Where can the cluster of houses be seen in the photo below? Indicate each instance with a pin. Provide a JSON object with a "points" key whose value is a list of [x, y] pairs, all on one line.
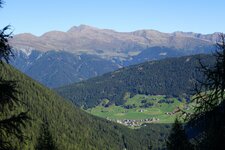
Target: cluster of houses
{"points": [[136, 123], [177, 109]]}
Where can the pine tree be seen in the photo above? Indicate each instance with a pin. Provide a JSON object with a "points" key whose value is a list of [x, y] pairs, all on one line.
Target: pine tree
{"points": [[177, 139], [211, 91], [45, 140], [10, 123], [209, 111]]}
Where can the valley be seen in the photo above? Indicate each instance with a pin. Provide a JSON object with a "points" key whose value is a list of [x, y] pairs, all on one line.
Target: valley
{"points": [[71, 127], [133, 100]]}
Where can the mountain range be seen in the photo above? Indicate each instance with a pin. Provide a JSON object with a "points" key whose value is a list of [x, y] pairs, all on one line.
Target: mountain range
{"points": [[84, 52], [110, 43]]}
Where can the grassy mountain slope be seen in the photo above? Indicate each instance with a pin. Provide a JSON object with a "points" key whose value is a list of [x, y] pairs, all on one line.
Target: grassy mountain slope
{"points": [[172, 76], [71, 127]]}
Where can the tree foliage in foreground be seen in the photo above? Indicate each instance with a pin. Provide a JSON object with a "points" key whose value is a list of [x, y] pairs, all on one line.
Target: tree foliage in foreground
{"points": [[209, 111], [11, 123], [211, 91]]}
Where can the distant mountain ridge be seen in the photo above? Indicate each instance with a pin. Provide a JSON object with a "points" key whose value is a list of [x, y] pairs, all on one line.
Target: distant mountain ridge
{"points": [[109, 43]]}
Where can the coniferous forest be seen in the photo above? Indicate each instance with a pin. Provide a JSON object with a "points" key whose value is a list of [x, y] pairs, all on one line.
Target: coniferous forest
{"points": [[173, 77]]}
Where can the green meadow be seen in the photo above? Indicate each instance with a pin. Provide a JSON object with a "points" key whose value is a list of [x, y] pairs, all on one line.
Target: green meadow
{"points": [[141, 107]]}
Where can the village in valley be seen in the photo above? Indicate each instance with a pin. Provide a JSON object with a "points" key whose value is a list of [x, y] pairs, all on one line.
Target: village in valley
{"points": [[137, 123], [140, 110], [142, 122]]}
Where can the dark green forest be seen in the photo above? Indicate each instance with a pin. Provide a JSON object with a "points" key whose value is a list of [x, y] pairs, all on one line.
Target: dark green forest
{"points": [[72, 128], [172, 77]]}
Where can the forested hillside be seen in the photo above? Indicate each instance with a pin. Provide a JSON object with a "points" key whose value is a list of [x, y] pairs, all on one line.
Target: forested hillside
{"points": [[59, 68], [71, 127], [171, 77]]}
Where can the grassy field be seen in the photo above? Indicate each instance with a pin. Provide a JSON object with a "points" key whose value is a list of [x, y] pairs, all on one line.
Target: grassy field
{"points": [[137, 108]]}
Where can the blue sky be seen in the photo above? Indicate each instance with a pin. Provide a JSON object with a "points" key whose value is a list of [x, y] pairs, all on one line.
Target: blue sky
{"points": [[39, 16]]}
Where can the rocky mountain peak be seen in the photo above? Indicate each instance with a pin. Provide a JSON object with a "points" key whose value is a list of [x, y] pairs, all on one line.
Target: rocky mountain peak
{"points": [[81, 27]]}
